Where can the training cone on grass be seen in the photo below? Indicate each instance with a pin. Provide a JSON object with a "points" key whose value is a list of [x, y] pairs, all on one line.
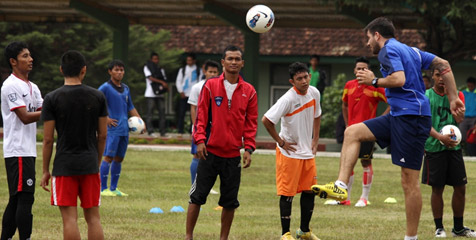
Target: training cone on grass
{"points": [[177, 209], [390, 200], [156, 210]]}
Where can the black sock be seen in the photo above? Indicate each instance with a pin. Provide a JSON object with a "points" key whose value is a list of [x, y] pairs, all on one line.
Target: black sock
{"points": [[285, 205], [24, 218], [9, 225], [307, 206], [458, 224], [438, 222]]}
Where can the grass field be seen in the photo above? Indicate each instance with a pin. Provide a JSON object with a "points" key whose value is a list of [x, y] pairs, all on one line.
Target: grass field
{"points": [[162, 179]]}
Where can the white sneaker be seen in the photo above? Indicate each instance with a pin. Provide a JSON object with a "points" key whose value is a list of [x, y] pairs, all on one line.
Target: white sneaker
{"points": [[213, 191], [466, 232], [440, 233], [331, 202], [361, 203]]}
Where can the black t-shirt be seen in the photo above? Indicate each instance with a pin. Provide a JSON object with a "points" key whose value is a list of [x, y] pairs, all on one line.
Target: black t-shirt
{"points": [[76, 110]]}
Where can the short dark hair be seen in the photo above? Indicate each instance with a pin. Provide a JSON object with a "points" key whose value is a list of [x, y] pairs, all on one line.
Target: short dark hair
{"points": [[471, 80], [381, 25], [13, 49], [231, 48], [210, 63], [316, 57], [192, 55], [296, 68], [72, 62], [362, 60], [115, 62], [154, 54]]}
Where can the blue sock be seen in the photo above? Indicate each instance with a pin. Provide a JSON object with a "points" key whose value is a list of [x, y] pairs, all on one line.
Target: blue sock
{"points": [[115, 174], [193, 168], [104, 171]]}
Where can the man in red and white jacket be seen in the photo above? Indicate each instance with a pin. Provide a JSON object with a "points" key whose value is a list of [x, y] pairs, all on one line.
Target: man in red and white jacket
{"points": [[226, 121]]}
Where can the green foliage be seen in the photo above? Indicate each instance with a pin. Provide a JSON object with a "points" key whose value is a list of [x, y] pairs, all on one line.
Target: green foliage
{"points": [[448, 24], [332, 106], [48, 42]]}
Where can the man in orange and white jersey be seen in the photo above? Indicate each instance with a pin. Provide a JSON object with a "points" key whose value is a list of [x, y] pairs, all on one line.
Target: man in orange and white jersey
{"points": [[299, 110]]}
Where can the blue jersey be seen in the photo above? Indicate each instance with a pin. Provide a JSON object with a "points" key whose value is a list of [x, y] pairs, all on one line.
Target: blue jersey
{"points": [[470, 102], [118, 105], [409, 99]]}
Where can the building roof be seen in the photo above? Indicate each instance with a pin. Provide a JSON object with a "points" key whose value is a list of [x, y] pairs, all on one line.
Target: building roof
{"points": [[281, 41]]}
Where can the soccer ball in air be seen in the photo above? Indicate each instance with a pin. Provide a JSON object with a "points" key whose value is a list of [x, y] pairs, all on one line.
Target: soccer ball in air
{"points": [[136, 125], [260, 18], [453, 131]]}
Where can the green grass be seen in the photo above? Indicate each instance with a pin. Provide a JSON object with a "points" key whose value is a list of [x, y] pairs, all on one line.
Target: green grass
{"points": [[162, 179]]}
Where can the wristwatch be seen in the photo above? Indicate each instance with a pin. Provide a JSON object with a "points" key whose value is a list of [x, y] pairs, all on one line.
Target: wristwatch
{"points": [[249, 150], [375, 82]]}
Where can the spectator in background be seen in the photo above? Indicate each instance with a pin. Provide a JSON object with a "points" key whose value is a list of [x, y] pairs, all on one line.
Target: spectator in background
{"points": [[187, 76], [156, 86], [470, 114], [427, 81], [318, 77]]}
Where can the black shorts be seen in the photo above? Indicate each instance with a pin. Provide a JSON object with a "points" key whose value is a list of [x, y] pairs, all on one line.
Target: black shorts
{"points": [[444, 168], [229, 170], [20, 174], [366, 150]]}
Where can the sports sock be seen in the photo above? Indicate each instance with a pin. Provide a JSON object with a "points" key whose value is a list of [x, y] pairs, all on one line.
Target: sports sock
{"points": [[367, 181], [193, 168], [349, 185], [411, 237], [105, 166], [458, 223], [9, 224], [438, 222], [24, 218], [341, 184], [115, 174], [285, 205], [307, 207]]}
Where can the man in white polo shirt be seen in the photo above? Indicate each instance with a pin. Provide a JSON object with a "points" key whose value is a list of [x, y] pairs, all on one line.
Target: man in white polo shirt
{"points": [[21, 102]]}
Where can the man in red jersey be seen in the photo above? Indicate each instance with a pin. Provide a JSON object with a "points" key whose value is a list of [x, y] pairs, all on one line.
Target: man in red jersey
{"points": [[232, 105], [359, 103]]}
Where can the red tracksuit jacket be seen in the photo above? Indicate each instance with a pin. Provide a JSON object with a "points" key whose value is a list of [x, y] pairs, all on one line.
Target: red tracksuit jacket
{"points": [[226, 126]]}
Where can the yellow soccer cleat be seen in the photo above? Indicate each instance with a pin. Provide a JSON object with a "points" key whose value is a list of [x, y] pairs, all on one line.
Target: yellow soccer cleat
{"points": [[331, 191], [107, 193], [306, 235], [287, 236]]}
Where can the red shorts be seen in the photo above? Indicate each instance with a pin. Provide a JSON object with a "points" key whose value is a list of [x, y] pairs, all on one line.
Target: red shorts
{"points": [[66, 189], [294, 175]]}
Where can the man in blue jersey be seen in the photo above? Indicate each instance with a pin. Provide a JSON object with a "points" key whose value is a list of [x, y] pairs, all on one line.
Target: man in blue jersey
{"points": [[119, 106], [407, 126]]}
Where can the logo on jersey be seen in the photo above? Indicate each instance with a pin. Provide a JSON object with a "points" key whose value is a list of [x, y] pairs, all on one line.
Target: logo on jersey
{"points": [[12, 97], [24, 95], [218, 100], [29, 182], [297, 105]]}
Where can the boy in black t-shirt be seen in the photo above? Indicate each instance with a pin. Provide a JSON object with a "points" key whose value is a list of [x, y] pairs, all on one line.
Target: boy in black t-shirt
{"points": [[78, 112]]}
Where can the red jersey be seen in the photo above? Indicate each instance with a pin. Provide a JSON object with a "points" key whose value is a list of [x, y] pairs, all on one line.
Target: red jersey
{"points": [[225, 126], [362, 101]]}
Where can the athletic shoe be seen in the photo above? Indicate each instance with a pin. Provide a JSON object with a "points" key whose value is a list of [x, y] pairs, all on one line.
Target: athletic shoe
{"points": [[306, 235], [440, 233], [361, 203], [119, 193], [330, 190], [107, 193], [465, 232], [213, 192], [331, 202], [287, 236], [345, 203]]}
